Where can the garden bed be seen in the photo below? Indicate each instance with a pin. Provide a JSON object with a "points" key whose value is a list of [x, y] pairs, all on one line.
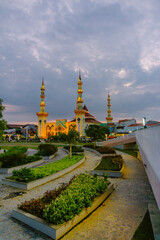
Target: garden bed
{"points": [[75, 149], [73, 204], [28, 165], [101, 150], [110, 166], [47, 151], [16, 158], [60, 167]]}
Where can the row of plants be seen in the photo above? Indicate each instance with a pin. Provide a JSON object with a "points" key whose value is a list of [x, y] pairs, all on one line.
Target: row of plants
{"points": [[28, 174], [102, 150], [36, 206], [113, 163], [74, 148], [15, 156], [62, 205], [46, 149]]}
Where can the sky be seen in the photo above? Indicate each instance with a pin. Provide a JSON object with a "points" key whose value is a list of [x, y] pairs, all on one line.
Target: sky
{"points": [[114, 43]]}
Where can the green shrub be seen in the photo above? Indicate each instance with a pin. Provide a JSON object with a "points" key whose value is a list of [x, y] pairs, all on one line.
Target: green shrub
{"points": [[47, 149], [78, 195], [74, 148], [101, 150], [37, 205], [17, 148], [16, 158], [113, 163], [46, 170]]}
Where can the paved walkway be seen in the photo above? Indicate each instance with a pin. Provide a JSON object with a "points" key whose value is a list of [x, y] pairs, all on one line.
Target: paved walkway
{"points": [[116, 219]]}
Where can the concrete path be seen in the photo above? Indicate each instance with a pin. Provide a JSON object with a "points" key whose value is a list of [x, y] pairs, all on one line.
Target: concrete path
{"points": [[31, 151], [116, 219], [122, 212]]}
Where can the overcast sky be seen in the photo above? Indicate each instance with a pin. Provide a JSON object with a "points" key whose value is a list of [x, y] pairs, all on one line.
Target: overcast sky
{"points": [[114, 43]]}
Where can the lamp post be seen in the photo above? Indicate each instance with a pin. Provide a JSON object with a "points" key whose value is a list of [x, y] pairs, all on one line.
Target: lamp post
{"points": [[144, 122]]}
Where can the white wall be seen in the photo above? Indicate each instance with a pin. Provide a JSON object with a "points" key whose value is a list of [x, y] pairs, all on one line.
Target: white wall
{"points": [[148, 141]]}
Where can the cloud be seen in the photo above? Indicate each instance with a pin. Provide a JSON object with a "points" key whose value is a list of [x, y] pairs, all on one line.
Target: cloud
{"points": [[115, 44]]}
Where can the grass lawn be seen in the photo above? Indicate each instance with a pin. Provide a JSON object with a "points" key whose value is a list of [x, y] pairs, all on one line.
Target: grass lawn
{"points": [[144, 231], [128, 151]]}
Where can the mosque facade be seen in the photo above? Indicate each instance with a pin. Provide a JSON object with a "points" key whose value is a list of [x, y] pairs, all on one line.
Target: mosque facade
{"points": [[80, 122]]}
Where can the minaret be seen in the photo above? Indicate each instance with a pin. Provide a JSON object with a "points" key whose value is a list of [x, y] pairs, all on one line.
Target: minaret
{"points": [[79, 111], [42, 115], [109, 118]]}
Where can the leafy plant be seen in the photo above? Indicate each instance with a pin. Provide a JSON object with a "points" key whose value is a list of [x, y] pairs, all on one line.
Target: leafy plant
{"points": [[15, 156], [113, 163], [101, 150], [78, 195], [36, 206], [96, 132], [47, 149], [43, 171], [74, 148]]}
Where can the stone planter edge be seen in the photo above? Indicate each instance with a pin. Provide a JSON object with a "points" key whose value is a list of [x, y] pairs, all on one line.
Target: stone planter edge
{"points": [[41, 181], [116, 174], [99, 154], [28, 165], [57, 231], [49, 157]]}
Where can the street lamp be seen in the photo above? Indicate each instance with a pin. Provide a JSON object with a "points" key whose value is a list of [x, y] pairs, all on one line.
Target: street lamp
{"points": [[144, 122]]}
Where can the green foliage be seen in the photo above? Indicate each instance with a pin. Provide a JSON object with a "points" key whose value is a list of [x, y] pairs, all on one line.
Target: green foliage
{"points": [[73, 135], [17, 148], [43, 171], [15, 157], [96, 132], [113, 163], [3, 123], [47, 149], [144, 231], [78, 195], [36, 206], [128, 151], [102, 150], [74, 148]]}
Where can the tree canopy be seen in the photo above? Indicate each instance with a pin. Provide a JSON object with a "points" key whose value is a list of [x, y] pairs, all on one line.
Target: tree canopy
{"points": [[96, 132], [73, 135], [3, 123]]}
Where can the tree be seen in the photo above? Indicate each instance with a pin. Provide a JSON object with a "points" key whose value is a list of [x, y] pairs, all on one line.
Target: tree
{"points": [[72, 137], [3, 123], [96, 132]]}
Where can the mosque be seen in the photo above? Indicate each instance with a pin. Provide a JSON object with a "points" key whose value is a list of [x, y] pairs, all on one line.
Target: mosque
{"points": [[81, 121]]}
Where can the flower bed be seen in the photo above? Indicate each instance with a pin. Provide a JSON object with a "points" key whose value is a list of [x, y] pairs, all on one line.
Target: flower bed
{"points": [[27, 174], [74, 148], [84, 194], [16, 156], [112, 166], [101, 150], [46, 149], [113, 163], [27, 186]]}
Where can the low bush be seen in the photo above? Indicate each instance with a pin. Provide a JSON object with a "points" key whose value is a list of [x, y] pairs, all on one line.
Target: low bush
{"points": [[74, 148], [15, 156], [29, 175], [36, 205], [59, 206], [102, 150], [113, 163], [16, 159], [78, 195], [17, 148], [47, 149]]}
